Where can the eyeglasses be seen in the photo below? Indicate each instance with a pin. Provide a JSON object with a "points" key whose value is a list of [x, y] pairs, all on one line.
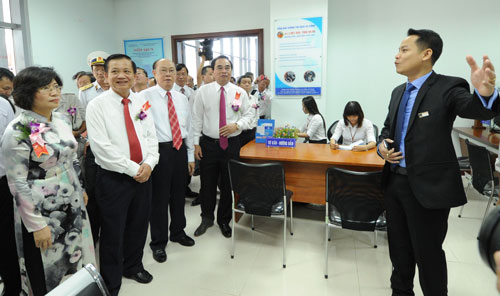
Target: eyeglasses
{"points": [[49, 89]]}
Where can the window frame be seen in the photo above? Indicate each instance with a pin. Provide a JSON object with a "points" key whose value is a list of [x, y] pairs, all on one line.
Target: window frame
{"points": [[19, 27], [175, 39]]}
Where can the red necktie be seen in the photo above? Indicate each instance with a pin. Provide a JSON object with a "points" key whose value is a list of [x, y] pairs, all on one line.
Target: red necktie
{"points": [[174, 123], [222, 118], [133, 141], [183, 90]]}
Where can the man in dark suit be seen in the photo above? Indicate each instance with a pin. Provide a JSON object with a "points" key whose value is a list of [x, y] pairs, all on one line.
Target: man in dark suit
{"points": [[421, 174]]}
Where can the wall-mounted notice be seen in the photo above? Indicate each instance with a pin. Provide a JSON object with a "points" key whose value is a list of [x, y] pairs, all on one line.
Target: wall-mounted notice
{"points": [[298, 56], [144, 52]]}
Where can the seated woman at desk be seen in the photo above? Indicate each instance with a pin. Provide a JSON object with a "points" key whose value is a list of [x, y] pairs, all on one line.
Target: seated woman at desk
{"points": [[314, 130], [353, 128]]}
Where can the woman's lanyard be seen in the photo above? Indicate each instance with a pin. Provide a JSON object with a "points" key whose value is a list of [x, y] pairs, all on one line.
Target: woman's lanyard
{"points": [[352, 136]]}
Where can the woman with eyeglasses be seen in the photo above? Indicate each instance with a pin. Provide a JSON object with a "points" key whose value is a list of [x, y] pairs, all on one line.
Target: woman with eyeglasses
{"points": [[51, 223], [354, 127], [314, 130]]}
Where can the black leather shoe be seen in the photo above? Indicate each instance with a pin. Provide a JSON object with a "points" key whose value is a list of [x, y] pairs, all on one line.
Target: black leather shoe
{"points": [[196, 202], [225, 230], [142, 276], [160, 255], [186, 241], [191, 194], [203, 227]]}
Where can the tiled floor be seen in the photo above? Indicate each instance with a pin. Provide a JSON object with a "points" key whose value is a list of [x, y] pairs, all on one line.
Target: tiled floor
{"points": [[355, 267]]}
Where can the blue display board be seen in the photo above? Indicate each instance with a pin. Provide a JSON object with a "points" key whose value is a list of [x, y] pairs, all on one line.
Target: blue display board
{"points": [[265, 129], [144, 52]]}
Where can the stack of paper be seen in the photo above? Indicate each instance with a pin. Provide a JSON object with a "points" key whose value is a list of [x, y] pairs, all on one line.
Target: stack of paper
{"points": [[349, 147]]}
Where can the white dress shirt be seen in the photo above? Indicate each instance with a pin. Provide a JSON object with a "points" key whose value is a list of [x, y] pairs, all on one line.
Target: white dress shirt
{"points": [[18, 109], [6, 116], [314, 127], [264, 98], [157, 96], [87, 95], [352, 134], [188, 92], [254, 104], [206, 110], [108, 135]]}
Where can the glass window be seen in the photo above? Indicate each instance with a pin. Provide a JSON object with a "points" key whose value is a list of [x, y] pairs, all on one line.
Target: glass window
{"points": [[191, 62], [243, 52], [14, 50], [6, 50]]}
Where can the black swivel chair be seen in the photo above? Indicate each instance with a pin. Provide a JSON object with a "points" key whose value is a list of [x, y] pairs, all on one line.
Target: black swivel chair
{"points": [[375, 131], [331, 130], [354, 200], [86, 282], [262, 192], [483, 179]]}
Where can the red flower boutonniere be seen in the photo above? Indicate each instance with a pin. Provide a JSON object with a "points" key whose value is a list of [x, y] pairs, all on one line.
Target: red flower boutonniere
{"points": [[236, 103], [142, 115], [38, 143]]}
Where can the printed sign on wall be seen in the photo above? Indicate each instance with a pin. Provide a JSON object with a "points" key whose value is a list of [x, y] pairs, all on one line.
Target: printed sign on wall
{"points": [[298, 56], [144, 52]]}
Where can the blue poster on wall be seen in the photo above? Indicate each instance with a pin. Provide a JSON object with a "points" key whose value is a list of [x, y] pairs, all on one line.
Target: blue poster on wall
{"points": [[144, 52], [298, 56]]}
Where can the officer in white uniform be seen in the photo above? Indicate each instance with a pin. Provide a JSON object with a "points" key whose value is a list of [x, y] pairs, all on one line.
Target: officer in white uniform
{"points": [[87, 93]]}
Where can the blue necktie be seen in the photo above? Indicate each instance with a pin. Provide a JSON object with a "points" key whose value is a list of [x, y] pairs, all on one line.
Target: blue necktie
{"points": [[401, 116]]}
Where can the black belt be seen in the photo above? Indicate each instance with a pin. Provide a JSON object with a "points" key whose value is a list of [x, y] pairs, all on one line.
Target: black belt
{"points": [[207, 138], [168, 144], [399, 170]]}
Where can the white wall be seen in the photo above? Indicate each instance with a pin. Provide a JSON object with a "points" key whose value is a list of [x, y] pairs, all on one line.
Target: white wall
{"points": [[288, 109], [364, 37], [157, 18], [63, 33]]}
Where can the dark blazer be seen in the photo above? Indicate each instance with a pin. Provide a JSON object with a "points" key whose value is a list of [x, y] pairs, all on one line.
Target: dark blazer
{"points": [[431, 162]]}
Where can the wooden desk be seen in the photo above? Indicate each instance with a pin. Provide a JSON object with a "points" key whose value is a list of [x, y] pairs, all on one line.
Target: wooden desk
{"points": [[305, 165], [481, 137]]}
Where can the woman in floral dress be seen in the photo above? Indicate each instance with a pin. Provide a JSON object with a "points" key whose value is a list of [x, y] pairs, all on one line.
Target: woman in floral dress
{"points": [[51, 223]]}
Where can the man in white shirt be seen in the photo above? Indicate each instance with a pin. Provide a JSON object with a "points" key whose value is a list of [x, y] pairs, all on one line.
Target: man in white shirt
{"points": [[141, 80], [86, 94], [123, 138], [220, 112], [172, 116], [264, 95], [6, 87], [100, 85], [9, 267], [180, 85], [181, 78], [248, 135], [205, 73]]}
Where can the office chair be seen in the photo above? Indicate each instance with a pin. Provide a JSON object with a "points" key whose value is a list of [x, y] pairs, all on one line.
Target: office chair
{"points": [[354, 200], [262, 192], [483, 179]]}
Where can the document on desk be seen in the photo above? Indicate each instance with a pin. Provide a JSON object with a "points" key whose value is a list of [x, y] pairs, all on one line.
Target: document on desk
{"points": [[349, 147]]}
